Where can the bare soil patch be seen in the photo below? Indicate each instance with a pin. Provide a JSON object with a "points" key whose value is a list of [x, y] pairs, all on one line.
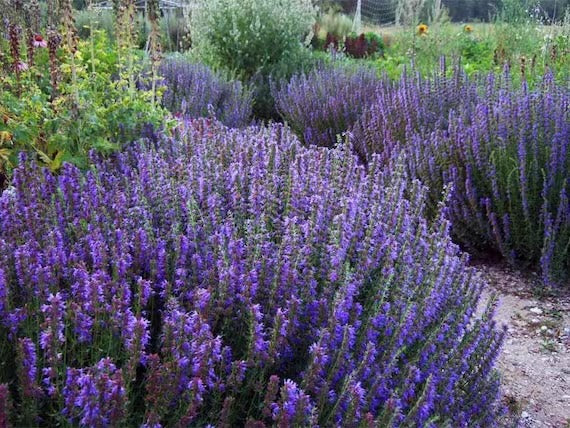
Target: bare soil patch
{"points": [[535, 360]]}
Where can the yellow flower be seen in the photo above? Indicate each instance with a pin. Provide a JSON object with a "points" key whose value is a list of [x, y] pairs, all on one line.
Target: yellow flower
{"points": [[468, 28], [422, 29], [5, 136]]}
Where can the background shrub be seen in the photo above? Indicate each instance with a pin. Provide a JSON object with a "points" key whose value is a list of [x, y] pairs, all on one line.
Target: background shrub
{"points": [[63, 106], [325, 102], [529, 49], [247, 36], [333, 22], [87, 21], [175, 32], [363, 46], [232, 277], [193, 91]]}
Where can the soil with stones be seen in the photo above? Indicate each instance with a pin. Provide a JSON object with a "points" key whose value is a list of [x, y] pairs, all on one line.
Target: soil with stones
{"points": [[535, 360]]}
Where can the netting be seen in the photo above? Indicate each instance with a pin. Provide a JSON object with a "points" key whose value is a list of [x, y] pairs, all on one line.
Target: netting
{"points": [[411, 12], [379, 12]]}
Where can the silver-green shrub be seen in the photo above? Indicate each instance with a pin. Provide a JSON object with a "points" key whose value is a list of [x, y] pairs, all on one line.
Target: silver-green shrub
{"points": [[249, 36]]}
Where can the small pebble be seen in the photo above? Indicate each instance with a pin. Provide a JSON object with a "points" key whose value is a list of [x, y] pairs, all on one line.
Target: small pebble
{"points": [[525, 415], [536, 311]]}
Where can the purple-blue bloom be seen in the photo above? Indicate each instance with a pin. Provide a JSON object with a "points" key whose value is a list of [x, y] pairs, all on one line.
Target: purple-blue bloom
{"points": [[231, 275], [194, 91]]}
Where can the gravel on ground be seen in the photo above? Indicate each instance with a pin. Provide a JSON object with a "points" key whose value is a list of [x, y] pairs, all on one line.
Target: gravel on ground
{"points": [[535, 360]]}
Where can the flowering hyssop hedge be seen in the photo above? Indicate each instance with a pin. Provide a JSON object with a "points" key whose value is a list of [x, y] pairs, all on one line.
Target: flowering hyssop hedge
{"points": [[505, 151], [325, 102], [232, 277], [193, 91]]}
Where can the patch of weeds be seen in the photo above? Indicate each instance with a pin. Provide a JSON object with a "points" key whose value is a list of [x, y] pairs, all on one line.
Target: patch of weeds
{"points": [[555, 313], [548, 345]]}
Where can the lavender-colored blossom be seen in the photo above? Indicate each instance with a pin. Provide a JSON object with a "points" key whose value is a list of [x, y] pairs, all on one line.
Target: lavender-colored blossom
{"points": [[193, 91], [3, 293], [323, 104], [228, 275], [27, 369], [294, 407], [21, 66], [95, 396]]}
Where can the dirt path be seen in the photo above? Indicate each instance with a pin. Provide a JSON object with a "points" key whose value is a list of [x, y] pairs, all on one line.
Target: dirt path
{"points": [[535, 361]]}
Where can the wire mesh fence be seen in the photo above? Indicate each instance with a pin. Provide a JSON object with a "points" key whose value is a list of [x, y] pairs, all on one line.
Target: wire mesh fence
{"points": [[396, 12]]}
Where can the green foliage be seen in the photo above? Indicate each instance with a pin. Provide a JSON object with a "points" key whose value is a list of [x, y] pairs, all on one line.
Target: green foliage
{"points": [[175, 33], [515, 11], [96, 110], [335, 23], [371, 36], [528, 49], [250, 36], [173, 28], [88, 20]]}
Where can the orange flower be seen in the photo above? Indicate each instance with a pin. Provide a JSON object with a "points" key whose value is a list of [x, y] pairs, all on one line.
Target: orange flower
{"points": [[468, 28], [422, 29]]}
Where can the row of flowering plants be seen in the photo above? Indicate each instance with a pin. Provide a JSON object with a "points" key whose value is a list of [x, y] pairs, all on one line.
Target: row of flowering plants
{"points": [[408, 105], [329, 101], [504, 149], [509, 164], [325, 102], [231, 278], [193, 91]]}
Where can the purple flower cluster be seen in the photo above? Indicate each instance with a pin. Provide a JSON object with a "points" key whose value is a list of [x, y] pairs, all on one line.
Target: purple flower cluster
{"points": [[194, 91], [95, 396], [226, 277], [408, 105], [28, 367], [326, 102], [504, 150]]}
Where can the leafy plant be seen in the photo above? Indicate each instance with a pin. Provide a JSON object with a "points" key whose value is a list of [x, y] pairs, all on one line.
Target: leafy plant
{"points": [[530, 50], [364, 46], [250, 36], [72, 100], [333, 22]]}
